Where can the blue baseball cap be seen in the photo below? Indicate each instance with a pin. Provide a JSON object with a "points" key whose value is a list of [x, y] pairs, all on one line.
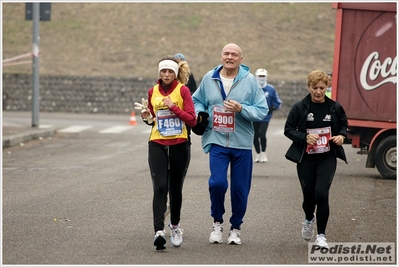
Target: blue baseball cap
{"points": [[180, 56]]}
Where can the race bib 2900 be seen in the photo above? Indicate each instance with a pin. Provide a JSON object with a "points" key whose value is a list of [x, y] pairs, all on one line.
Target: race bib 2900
{"points": [[223, 121]]}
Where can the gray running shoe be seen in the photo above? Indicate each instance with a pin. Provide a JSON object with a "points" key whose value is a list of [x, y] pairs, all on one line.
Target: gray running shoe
{"points": [[307, 229]]}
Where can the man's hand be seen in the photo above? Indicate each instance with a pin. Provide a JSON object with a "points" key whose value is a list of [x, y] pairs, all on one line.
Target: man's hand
{"points": [[232, 106]]}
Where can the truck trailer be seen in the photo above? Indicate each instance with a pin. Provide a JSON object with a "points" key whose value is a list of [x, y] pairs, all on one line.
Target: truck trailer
{"points": [[365, 79]]}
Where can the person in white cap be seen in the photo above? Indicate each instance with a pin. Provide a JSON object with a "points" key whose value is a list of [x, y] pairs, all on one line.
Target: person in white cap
{"points": [[260, 127], [170, 110]]}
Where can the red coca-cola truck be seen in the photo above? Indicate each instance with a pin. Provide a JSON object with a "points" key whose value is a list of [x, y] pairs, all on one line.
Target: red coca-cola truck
{"points": [[365, 79]]}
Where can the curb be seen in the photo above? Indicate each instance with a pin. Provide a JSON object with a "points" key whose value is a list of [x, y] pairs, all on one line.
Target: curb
{"points": [[16, 139]]}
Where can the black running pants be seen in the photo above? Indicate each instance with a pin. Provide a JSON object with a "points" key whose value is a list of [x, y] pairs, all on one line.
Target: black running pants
{"points": [[168, 167], [316, 177]]}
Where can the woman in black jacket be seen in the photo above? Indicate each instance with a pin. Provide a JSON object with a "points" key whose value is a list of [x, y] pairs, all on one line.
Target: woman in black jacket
{"points": [[317, 127]]}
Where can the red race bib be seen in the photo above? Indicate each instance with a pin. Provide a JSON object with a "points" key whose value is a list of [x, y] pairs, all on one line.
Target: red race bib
{"points": [[322, 145], [223, 121]]}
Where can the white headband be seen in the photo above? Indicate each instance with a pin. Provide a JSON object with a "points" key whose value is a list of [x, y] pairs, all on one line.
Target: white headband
{"points": [[168, 64]]}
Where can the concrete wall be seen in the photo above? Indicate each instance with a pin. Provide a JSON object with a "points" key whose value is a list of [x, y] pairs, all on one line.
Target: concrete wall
{"points": [[104, 95]]}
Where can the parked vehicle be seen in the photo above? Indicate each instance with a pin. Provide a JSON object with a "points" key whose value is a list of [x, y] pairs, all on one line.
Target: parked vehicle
{"points": [[365, 79]]}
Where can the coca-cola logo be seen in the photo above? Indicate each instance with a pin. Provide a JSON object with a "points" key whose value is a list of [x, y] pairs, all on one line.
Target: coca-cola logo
{"points": [[376, 59], [373, 68]]}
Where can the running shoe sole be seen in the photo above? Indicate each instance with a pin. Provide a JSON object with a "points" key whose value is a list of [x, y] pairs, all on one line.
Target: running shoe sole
{"points": [[159, 243]]}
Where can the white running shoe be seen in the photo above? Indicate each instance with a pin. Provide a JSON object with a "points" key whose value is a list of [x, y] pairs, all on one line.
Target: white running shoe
{"points": [[217, 233], [307, 229], [257, 158], [159, 240], [176, 235], [321, 241], [263, 157], [234, 237]]}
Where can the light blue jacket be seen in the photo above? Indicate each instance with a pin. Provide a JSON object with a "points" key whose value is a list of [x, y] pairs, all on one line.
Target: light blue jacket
{"points": [[247, 92]]}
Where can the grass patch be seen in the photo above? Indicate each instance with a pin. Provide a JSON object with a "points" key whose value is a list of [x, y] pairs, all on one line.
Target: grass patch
{"points": [[128, 39]]}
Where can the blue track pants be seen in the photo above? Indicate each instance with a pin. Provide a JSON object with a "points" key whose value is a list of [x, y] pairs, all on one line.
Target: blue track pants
{"points": [[240, 161]]}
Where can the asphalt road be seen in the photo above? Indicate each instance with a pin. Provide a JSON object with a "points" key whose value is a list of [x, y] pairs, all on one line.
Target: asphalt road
{"points": [[85, 198]]}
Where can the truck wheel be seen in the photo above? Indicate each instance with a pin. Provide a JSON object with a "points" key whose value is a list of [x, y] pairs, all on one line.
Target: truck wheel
{"points": [[385, 157]]}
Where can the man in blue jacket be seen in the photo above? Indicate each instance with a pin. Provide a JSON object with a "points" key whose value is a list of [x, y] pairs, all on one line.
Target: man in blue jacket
{"points": [[232, 97], [260, 127]]}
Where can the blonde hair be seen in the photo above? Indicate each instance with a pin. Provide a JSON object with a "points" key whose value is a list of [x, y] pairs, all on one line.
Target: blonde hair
{"points": [[316, 76], [184, 70]]}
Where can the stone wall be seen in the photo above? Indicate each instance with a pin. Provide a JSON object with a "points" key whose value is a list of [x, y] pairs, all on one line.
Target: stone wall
{"points": [[104, 95]]}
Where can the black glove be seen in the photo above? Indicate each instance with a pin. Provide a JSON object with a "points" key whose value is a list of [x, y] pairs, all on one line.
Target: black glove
{"points": [[202, 122]]}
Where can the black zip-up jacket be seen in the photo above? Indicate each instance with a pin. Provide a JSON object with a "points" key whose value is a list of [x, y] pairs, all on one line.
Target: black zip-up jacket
{"points": [[295, 128]]}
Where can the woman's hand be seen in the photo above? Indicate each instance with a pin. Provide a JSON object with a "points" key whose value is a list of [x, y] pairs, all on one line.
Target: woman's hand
{"points": [[168, 102], [145, 114], [311, 139], [338, 139]]}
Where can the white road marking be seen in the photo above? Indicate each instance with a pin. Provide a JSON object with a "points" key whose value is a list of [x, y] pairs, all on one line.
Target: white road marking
{"points": [[45, 126], [116, 129], [75, 129]]}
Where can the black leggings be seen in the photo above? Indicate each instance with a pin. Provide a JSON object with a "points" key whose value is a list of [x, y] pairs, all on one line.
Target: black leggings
{"points": [[168, 167], [316, 177], [260, 129]]}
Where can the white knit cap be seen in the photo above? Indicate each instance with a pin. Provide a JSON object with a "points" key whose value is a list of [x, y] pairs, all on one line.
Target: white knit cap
{"points": [[168, 64]]}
